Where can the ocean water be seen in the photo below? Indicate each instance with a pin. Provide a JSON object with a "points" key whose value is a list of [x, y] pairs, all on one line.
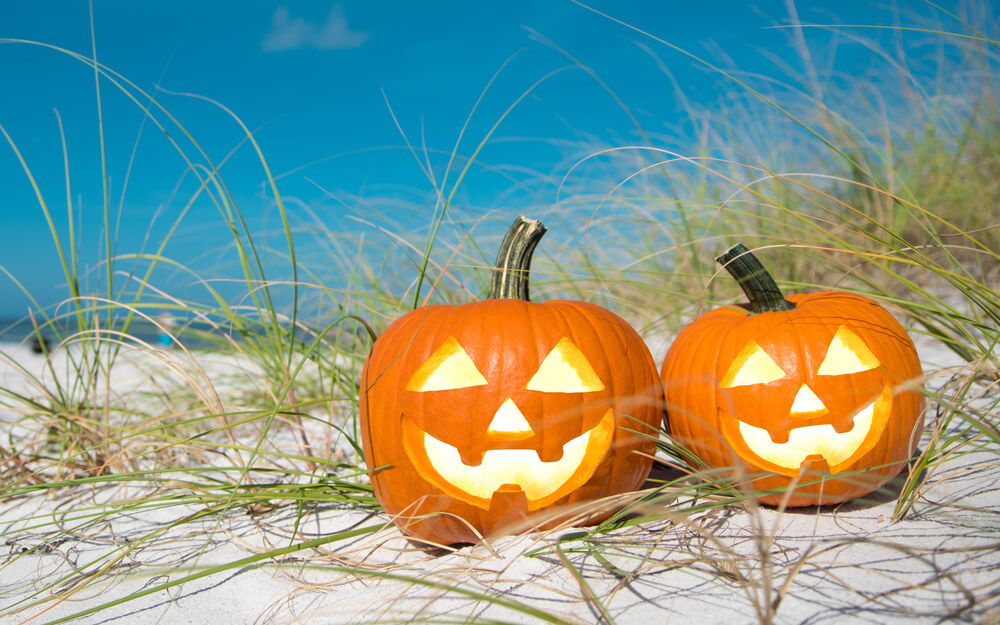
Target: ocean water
{"points": [[15, 331], [194, 334]]}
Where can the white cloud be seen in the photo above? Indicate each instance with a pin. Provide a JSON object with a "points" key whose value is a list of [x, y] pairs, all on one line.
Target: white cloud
{"points": [[292, 33]]}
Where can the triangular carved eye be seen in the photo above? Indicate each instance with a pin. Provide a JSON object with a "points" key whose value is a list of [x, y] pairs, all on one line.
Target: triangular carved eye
{"points": [[565, 370], [449, 367], [847, 354], [751, 366]]}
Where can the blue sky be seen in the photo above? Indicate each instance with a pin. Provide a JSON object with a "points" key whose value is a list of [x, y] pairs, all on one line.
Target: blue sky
{"points": [[316, 80]]}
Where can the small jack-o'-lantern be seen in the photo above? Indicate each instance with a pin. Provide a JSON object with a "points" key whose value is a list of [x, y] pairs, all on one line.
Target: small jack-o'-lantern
{"points": [[818, 390], [477, 418]]}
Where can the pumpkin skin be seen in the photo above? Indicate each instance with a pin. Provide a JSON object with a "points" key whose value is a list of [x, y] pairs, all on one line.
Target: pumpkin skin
{"points": [[481, 419], [813, 395]]}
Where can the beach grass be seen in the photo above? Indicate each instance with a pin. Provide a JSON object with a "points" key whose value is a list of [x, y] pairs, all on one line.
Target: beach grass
{"points": [[250, 414]]}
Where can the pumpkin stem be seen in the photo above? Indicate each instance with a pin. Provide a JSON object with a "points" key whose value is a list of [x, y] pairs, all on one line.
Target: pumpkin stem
{"points": [[510, 271], [756, 282]]}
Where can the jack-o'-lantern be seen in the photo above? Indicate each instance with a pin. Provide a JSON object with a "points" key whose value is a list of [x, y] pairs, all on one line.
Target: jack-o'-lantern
{"points": [[482, 419], [819, 392]]}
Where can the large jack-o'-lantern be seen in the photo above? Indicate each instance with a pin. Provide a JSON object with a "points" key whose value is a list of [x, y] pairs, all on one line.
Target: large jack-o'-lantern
{"points": [[485, 418], [818, 390]]}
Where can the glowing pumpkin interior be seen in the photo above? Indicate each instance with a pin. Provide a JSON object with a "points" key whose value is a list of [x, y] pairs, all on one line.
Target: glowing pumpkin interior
{"points": [[564, 369], [846, 354]]}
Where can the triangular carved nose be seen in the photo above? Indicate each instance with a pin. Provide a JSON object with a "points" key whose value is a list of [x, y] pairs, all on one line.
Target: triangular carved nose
{"points": [[509, 424], [807, 404]]}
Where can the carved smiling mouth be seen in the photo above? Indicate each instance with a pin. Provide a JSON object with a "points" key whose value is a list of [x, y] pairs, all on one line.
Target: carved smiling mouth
{"points": [[509, 469], [838, 449]]}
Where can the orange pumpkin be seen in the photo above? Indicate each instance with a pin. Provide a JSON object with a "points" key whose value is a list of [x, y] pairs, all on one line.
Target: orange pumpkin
{"points": [[480, 419], [817, 391]]}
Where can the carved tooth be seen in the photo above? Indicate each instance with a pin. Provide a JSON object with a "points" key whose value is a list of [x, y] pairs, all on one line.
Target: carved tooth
{"points": [[843, 427], [550, 455], [815, 463], [778, 436], [471, 459], [507, 504]]}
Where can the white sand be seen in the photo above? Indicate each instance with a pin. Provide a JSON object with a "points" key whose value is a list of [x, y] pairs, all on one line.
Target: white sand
{"points": [[845, 565]]}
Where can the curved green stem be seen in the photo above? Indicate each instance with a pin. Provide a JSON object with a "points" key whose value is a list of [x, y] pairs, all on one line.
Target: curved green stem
{"points": [[756, 282], [510, 271]]}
